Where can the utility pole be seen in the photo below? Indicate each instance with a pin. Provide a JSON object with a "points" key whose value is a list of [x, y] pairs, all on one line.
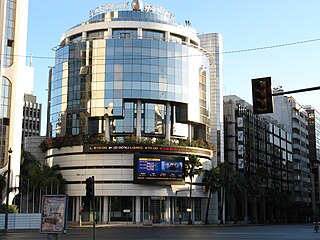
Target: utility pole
{"points": [[94, 211], [8, 191]]}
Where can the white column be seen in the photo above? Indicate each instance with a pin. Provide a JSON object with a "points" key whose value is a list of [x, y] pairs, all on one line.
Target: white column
{"points": [[107, 127], [109, 34], [105, 209], [167, 36], [168, 121], [190, 133], [77, 208], [84, 36], [187, 40], [138, 130], [167, 212], [139, 33], [100, 125], [67, 41], [138, 209]]}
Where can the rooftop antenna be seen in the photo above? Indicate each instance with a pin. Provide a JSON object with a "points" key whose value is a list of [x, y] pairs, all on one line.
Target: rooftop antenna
{"points": [[30, 63], [188, 23]]}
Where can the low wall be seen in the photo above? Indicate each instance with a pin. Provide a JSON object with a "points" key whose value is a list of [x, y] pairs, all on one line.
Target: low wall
{"points": [[21, 220]]}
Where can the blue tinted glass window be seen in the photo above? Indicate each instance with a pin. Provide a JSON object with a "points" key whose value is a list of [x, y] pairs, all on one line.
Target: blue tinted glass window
{"points": [[127, 93], [153, 118], [146, 43], [124, 34]]}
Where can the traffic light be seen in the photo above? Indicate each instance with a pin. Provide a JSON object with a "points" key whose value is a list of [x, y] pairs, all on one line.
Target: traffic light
{"points": [[90, 188], [204, 188], [262, 95]]}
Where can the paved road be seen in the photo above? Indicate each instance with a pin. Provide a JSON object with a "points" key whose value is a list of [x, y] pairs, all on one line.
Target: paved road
{"points": [[194, 232]]}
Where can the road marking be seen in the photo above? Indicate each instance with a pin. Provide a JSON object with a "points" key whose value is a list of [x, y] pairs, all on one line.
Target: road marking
{"points": [[251, 233]]}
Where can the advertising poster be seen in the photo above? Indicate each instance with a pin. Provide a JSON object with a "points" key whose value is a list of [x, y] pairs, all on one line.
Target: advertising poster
{"points": [[54, 214]]}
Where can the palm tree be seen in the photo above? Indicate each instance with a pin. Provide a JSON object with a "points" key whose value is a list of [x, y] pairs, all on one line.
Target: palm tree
{"points": [[211, 181], [257, 183], [3, 183], [28, 162], [238, 189], [36, 183], [193, 167], [53, 179], [227, 175], [39, 179]]}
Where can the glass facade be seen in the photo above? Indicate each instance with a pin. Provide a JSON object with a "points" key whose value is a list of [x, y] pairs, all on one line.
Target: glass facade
{"points": [[9, 33], [5, 106], [99, 76], [118, 203], [153, 118], [131, 75]]}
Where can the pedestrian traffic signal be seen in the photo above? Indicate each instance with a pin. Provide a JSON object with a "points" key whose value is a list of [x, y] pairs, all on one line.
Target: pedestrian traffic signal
{"points": [[262, 95], [90, 188]]}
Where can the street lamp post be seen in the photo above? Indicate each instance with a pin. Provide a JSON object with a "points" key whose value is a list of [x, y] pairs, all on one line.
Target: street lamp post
{"points": [[8, 187], [175, 207]]}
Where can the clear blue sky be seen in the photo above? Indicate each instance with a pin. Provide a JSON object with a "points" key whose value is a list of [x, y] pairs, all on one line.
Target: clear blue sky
{"points": [[244, 24]]}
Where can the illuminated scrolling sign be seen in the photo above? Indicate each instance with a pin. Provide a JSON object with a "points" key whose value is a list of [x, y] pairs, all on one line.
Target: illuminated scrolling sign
{"points": [[116, 148], [110, 7]]}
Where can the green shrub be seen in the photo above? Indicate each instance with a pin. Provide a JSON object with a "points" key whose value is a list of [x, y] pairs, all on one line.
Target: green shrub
{"points": [[12, 208]]}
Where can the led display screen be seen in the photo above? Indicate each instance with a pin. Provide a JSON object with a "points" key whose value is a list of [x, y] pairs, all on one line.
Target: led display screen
{"points": [[155, 169]]}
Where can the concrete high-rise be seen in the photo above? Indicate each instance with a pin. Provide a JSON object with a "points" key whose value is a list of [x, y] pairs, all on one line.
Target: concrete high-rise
{"points": [[15, 77], [255, 144], [293, 116], [314, 157], [31, 124]]}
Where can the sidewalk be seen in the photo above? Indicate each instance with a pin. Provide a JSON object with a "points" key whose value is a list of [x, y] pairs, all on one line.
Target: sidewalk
{"points": [[141, 224]]}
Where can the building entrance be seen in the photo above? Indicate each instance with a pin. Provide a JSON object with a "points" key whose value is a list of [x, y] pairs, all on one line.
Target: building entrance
{"points": [[155, 210]]}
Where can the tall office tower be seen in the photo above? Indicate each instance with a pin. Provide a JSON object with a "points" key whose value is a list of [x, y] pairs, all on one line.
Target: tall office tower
{"points": [[293, 116], [141, 82], [31, 124], [314, 156], [212, 42], [15, 77]]}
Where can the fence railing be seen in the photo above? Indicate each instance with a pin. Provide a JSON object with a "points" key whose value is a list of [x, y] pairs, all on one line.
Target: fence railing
{"points": [[21, 220]]}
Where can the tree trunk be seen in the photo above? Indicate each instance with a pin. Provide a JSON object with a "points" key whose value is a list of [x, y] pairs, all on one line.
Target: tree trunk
{"points": [[223, 206], [254, 209], [40, 196], [21, 196], [228, 202], [245, 210], [208, 206], [190, 203], [33, 200], [264, 207], [28, 190]]}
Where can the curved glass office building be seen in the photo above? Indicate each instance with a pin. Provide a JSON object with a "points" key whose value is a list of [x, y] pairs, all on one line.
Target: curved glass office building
{"points": [[141, 83]]}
